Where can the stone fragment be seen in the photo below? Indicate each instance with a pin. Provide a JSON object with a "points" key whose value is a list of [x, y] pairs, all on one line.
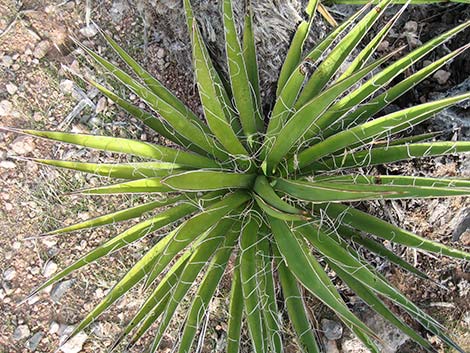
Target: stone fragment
{"points": [[331, 329], [441, 76], [21, 332], [23, 145], [41, 49]]}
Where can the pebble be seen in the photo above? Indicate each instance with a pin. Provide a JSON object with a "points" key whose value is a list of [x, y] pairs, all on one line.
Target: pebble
{"points": [[101, 105], [23, 145], [331, 347], [34, 341], [59, 290], [7, 165], [21, 332], [75, 344], [5, 108], [41, 49], [160, 53], [11, 88], [441, 76], [411, 26], [7, 61], [54, 328], [9, 274], [49, 269], [89, 31], [66, 86], [331, 329]]}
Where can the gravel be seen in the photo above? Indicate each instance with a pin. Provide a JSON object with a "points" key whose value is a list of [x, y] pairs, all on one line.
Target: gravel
{"points": [[21, 332]]}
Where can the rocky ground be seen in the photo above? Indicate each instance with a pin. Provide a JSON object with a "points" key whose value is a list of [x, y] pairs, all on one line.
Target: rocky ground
{"points": [[38, 91]]}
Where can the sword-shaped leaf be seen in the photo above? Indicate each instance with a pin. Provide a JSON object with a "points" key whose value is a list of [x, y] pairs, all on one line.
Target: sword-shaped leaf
{"points": [[308, 271], [201, 301], [211, 103], [152, 121], [119, 216], [351, 265], [382, 78], [384, 230], [195, 264], [296, 308], [139, 186], [325, 71], [127, 146], [201, 180], [389, 154], [117, 170], [248, 240], [294, 53], [196, 226], [267, 193], [235, 315], [241, 88], [282, 141], [377, 128]]}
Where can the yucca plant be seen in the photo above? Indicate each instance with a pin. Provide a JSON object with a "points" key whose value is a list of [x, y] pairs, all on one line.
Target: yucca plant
{"points": [[275, 195]]}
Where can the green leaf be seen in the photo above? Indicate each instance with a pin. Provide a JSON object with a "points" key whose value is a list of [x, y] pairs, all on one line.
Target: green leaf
{"points": [[364, 55], [273, 212], [384, 230], [195, 264], [382, 251], [151, 82], [119, 216], [115, 170], [201, 301], [189, 126], [389, 154], [308, 271], [283, 106], [267, 294], [235, 315], [239, 79], [154, 305], [354, 191], [325, 71], [201, 180], [249, 55], [282, 141], [211, 103], [382, 78], [140, 186], [130, 235], [356, 269], [248, 240], [161, 127], [375, 129], [195, 227], [296, 308], [127, 146], [267, 193], [294, 54]]}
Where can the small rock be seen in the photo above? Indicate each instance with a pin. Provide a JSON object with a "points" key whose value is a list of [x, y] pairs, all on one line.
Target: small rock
{"points": [[54, 328], [441, 76], [33, 342], [118, 10], [23, 145], [160, 53], [75, 344], [95, 122], [33, 300], [331, 347], [35, 270], [411, 26], [5, 108], [7, 61], [7, 165], [8, 206], [101, 105], [21, 332], [49, 269], [59, 290], [11, 88], [331, 329], [89, 31], [66, 86], [9, 274], [41, 49]]}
